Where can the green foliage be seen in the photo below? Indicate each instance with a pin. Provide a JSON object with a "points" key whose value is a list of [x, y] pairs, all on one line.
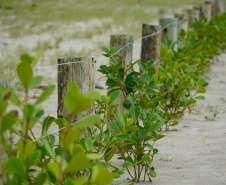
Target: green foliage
{"points": [[31, 160], [181, 72]]}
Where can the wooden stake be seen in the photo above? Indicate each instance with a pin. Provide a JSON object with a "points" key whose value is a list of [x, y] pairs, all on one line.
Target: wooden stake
{"points": [[220, 6], [192, 14], [208, 10], [82, 73], [182, 21], [170, 30], [150, 48], [118, 41], [200, 9]]}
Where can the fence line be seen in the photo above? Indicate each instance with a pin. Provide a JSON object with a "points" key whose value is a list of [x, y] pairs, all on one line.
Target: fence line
{"points": [[47, 67], [54, 132]]}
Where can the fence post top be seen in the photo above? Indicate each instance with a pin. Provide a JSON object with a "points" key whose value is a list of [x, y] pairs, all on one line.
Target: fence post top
{"points": [[157, 25]]}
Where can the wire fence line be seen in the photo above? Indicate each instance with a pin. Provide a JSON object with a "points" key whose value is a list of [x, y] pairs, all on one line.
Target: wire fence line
{"points": [[56, 131], [55, 65], [151, 35], [53, 132]]}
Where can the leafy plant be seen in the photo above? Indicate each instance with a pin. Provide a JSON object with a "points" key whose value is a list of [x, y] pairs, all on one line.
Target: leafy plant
{"points": [[31, 160], [211, 118], [133, 130]]}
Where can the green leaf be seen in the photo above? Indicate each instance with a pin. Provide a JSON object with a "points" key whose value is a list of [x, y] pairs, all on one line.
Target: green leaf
{"points": [[126, 164], [105, 50], [169, 75], [191, 69], [88, 121], [141, 66], [200, 97], [201, 82], [71, 137], [160, 118], [33, 158], [110, 82], [135, 111], [93, 156], [101, 176], [123, 119], [155, 150], [123, 136], [25, 74], [40, 179], [37, 58], [9, 120], [74, 101], [94, 95], [3, 107], [152, 172], [78, 162], [142, 133], [129, 159], [109, 153], [24, 57], [174, 123], [201, 89], [156, 126], [15, 166], [147, 158], [55, 169], [35, 82], [114, 96], [88, 143], [46, 123], [48, 148], [15, 99], [47, 92], [132, 128], [13, 59], [82, 180]]}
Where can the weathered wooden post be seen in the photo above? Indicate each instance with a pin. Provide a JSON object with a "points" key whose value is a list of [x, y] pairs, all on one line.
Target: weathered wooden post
{"points": [[220, 6], [192, 14], [200, 9], [208, 10], [79, 70], [170, 29], [150, 48], [182, 21], [125, 42], [214, 8]]}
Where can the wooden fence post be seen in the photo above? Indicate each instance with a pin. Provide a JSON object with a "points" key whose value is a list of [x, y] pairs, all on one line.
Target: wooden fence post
{"points": [[118, 41], [170, 29], [192, 14], [82, 73], [220, 6], [208, 10], [200, 8], [182, 21], [150, 48]]}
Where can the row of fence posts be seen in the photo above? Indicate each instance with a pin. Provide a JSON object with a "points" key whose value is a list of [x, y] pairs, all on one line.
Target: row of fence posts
{"points": [[83, 72]]}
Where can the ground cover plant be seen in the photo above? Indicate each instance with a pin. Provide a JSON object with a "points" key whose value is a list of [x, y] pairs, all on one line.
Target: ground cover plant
{"points": [[182, 72], [83, 154], [136, 130]]}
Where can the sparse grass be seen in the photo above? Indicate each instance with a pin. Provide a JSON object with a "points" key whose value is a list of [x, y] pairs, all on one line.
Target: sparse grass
{"points": [[45, 44]]}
